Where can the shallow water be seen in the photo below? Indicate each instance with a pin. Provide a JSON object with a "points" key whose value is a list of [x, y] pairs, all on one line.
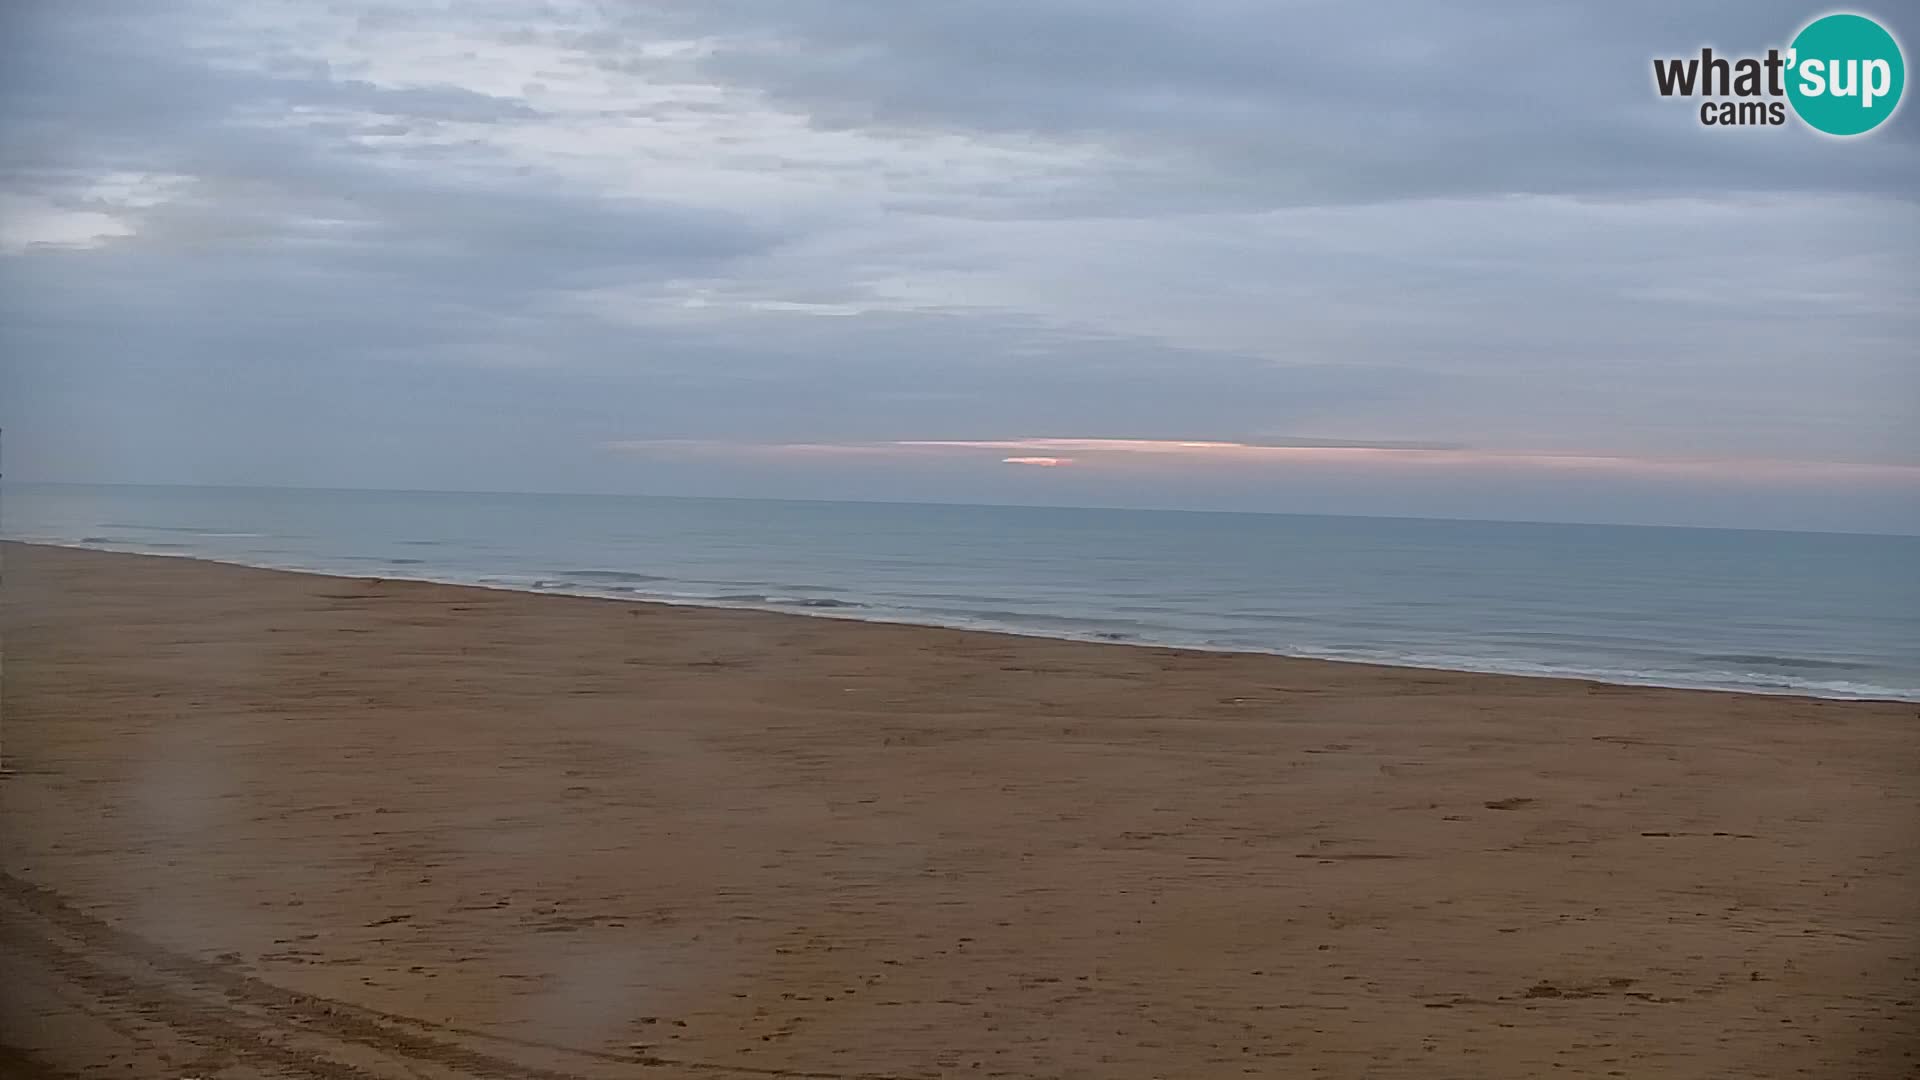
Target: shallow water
{"points": [[1806, 613]]}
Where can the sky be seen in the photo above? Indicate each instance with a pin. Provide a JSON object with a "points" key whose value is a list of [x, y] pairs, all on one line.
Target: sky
{"points": [[1311, 256]]}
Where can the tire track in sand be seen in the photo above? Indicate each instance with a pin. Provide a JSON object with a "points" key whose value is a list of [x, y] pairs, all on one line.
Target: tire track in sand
{"points": [[227, 1015]]}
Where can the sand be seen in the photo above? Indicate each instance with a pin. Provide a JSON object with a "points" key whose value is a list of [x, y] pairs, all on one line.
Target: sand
{"points": [[271, 824]]}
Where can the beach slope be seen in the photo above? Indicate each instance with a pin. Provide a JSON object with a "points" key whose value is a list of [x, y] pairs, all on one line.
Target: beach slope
{"points": [[272, 824]]}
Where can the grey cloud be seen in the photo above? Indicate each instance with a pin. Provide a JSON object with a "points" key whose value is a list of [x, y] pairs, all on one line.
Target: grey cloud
{"points": [[1272, 224], [1284, 104], [85, 99]]}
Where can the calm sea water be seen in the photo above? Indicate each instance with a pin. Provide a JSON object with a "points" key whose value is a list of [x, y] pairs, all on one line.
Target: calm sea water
{"points": [[1804, 613]]}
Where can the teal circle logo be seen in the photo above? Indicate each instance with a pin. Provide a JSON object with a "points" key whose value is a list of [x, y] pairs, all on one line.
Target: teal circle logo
{"points": [[1845, 74]]}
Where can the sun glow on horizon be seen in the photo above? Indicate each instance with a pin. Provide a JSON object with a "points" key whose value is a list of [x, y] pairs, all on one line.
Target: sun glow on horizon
{"points": [[1159, 454]]}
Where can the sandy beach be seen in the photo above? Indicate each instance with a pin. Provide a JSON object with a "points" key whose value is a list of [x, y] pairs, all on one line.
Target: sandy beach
{"points": [[281, 825]]}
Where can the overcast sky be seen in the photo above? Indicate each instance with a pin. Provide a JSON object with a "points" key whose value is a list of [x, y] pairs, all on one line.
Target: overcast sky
{"points": [[1372, 258]]}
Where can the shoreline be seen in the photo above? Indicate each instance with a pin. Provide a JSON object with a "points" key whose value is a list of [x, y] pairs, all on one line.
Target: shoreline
{"points": [[1879, 695]]}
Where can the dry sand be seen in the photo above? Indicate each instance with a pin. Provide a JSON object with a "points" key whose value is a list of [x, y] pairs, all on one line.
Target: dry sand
{"points": [[269, 824]]}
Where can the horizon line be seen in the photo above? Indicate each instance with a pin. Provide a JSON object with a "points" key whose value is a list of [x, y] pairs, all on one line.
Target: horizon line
{"points": [[9, 482]]}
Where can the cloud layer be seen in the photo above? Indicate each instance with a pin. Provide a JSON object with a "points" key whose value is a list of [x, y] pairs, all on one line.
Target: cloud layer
{"points": [[372, 244]]}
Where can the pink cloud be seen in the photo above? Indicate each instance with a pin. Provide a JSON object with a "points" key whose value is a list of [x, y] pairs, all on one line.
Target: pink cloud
{"points": [[1164, 453]]}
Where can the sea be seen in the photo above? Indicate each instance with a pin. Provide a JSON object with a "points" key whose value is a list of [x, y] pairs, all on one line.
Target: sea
{"points": [[1818, 614]]}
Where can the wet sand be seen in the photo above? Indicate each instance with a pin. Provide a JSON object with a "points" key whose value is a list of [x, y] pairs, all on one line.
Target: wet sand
{"points": [[270, 824]]}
